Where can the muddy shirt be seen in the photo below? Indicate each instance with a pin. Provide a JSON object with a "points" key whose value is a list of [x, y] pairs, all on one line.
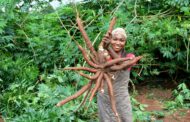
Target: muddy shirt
{"points": [[123, 104]]}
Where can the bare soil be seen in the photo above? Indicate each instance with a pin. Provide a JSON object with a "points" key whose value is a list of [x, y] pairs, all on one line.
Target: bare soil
{"points": [[1, 120], [154, 97], [179, 116]]}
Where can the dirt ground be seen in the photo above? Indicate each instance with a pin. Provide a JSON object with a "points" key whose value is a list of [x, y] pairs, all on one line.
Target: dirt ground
{"points": [[153, 98], [1, 120]]}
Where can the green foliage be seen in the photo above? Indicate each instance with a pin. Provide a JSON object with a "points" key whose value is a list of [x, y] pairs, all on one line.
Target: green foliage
{"points": [[13, 71], [35, 45], [140, 114], [181, 98], [182, 95], [178, 3]]}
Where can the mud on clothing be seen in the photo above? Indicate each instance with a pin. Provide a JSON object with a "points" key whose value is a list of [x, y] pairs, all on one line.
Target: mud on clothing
{"points": [[123, 104]]}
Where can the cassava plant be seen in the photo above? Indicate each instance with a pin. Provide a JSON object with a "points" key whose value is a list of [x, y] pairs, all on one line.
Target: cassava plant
{"points": [[99, 67]]}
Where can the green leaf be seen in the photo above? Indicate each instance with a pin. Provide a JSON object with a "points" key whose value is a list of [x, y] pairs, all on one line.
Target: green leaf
{"points": [[180, 98]]}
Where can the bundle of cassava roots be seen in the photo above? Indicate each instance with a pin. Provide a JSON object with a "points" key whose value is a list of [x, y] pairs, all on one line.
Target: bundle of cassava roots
{"points": [[99, 67]]}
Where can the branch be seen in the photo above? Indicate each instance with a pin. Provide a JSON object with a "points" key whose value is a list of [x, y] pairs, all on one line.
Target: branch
{"points": [[34, 54], [113, 12], [135, 10]]}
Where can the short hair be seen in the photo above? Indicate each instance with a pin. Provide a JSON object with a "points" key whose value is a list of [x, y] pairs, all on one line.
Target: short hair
{"points": [[119, 31]]}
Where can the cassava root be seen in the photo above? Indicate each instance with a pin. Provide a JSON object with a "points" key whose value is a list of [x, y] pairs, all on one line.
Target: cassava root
{"points": [[99, 67]]}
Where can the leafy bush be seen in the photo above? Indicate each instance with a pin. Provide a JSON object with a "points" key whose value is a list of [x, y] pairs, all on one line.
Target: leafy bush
{"points": [[181, 98], [36, 45]]}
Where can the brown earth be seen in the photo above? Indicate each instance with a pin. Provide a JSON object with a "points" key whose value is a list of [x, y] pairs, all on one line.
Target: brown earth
{"points": [[154, 97], [179, 116], [1, 120]]}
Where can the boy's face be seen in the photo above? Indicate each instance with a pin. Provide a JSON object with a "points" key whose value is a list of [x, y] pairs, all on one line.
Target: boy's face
{"points": [[118, 42]]}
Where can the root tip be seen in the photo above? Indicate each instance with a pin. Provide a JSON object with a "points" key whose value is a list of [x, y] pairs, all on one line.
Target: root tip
{"points": [[90, 99], [58, 105], [102, 91], [116, 114]]}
